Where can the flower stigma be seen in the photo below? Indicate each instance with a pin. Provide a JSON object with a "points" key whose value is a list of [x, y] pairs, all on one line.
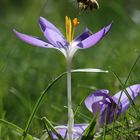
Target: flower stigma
{"points": [[70, 28]]}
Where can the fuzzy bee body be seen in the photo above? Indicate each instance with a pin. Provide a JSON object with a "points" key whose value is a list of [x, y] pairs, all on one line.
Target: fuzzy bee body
{"points": [[85, 4]]}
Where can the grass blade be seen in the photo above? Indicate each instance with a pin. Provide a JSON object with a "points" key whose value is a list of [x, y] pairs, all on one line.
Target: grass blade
{"points": [[15, 127], [89, 70], [90, 130]]}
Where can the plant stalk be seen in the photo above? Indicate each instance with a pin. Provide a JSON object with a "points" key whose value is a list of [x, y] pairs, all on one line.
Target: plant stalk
{"points": [[69, 98]]}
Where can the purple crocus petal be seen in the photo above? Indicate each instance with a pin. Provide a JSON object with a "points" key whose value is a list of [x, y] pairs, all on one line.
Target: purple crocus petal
{"points": [[92, 40], [62, 130], [46, 24], [79, 128], [109, 112], [103, 114], [77, 131], [133, 91], [95, 38], [83, 36], [95, 100], [107, 28], [33, 40], [56, 39], [105, 100]]}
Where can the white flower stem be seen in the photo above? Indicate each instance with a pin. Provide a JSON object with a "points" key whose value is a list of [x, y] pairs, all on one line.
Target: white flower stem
{"points": [[69, 98]]}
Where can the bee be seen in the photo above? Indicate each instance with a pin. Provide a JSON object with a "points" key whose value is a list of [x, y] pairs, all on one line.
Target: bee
{"points": [[85, 4]]}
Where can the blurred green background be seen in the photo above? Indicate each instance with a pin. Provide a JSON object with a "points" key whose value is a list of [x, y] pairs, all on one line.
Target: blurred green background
{"points": [[25, 70]]}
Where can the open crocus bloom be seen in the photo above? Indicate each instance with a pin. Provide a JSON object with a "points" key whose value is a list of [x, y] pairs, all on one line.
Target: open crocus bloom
{"points": [[77, 131], [111, 107], [55, 39]]}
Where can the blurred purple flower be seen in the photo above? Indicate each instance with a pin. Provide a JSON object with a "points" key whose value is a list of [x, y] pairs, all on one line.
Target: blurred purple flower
{"points": [[55, 39], [77, 131], [108, 106]]}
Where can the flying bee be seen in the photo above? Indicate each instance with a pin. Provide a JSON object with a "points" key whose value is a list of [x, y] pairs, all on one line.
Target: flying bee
{"points": [[85, 4]]}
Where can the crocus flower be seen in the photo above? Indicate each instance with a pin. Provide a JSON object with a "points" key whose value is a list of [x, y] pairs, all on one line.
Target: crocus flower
{"points": [[78, 130], [111, 107], [55, 39]]}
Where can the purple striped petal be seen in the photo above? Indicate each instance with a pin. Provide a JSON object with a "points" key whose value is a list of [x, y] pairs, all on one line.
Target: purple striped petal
{"points": [[92, 40], [95, 38], [33, 40], [77, 131], [56, 39], [109, 112], [95, 98], [44, 23], [133, 91], [83, 36]]}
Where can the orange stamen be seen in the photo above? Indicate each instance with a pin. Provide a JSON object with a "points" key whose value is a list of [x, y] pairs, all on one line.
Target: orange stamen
{"points": [[75, 22]]}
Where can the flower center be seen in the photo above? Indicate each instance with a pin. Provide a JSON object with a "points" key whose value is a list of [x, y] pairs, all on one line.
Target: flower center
{"points": [[70, 28]]}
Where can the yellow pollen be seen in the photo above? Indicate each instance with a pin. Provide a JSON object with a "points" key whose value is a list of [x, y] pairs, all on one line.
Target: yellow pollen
{"points": [[70, 28]]}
